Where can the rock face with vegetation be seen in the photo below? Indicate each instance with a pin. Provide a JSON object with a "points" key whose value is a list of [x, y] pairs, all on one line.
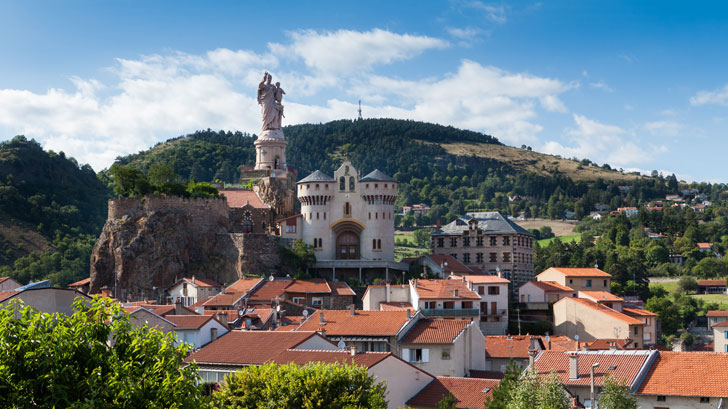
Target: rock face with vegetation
{"points": [[147, 243]]}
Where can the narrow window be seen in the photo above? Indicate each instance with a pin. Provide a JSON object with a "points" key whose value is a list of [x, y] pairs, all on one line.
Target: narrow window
{"points": [[351, 183], [347, 209], [379, 244], [342, 183], [374, 244]]}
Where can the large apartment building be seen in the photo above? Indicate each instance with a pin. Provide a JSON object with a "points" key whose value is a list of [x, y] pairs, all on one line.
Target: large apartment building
{"points": [[488, 242]]}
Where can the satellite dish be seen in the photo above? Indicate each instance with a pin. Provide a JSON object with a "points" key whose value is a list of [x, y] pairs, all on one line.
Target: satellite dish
{"points": [[271, 278], [278, 308], [341, 345], [240, 313], [305, 313], [596, 265], [548, 338], [576, 337]]}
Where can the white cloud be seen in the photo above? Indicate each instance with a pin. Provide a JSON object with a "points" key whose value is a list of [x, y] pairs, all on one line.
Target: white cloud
{"points": [[601, 85], [603, 143], [663, 128], [717, 97], [466, 35], [346, 51], [496, 14]]}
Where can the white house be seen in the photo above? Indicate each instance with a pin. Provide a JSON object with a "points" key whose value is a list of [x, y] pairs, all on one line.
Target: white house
{"points": [[493, 293], [191, 290], [198, 330]]}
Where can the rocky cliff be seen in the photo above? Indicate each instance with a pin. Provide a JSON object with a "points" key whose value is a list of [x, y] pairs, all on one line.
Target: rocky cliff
{"points": [[146, 244]]}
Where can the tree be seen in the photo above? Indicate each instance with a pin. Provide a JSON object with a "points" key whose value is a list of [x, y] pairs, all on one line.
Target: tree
{"points": [[159, 173], [687, 284], [55, 360], [300, 257], [616, 395], [501, 394], [129, 181], [422, 237], [447, 402], [310, 386], [538, 392]]}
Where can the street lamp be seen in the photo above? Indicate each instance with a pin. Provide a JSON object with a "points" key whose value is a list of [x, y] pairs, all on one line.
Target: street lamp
{"points": [[443, 267], [591, 373]]}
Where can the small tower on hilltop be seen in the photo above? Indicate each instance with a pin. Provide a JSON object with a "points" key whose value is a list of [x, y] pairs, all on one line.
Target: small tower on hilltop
{"points": [[360, 118]]}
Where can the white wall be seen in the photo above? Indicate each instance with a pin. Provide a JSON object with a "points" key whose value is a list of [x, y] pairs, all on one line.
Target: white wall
{"points": [[674, 402], [403, 380]]}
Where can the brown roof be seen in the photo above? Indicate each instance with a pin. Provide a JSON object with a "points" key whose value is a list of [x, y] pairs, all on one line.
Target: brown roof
{"points": [[79, 283], [717, 313], [7, 294], [624, 366], [311, 285], [341, 288], [560, 343], [269, 290], [548, 286], [453, 265], [601, 296], [605, 344], [507, 346], [395, 306], [721, 324], [435, 331], [638, 312], [202, 282], [687, 374], [239, 198], [469, 392], [444, 289], [604, 310], [580, 272], [249, 347], [243, 285], [711, 283], [300, 357], [484, 279], [366, 323], [227, 298], [188, 321]]}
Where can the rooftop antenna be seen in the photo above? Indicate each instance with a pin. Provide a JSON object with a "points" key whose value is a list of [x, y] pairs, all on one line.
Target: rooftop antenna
{"points": [[360, 110]]}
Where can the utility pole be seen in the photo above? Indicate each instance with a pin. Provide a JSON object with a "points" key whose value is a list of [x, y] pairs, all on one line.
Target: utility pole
{"points": [[360, 118]]}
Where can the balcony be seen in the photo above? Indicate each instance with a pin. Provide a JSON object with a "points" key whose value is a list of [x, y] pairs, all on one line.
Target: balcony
{"points": [[450, 312], [496, 313]]}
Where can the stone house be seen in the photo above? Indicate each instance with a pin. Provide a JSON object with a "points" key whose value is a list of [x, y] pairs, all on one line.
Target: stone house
{"points": [[579, 279], [248, 212], [444, 347], [489, 242], [590, 321]]}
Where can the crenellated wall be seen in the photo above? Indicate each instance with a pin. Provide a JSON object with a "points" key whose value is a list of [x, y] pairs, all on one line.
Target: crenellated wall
{"points": [[195, 207]]}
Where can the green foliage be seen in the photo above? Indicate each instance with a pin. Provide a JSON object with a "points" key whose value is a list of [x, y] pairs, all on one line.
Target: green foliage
{"points": [[54, 360], [616, 395], [534, 392], [310, 386], [501, 394], [447, 402], [687, 284], [299, 258], [422, 238], [131, 182]]}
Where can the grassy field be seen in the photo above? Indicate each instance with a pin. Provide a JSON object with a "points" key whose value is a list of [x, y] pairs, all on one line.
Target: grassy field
{"points": [[408, 236], [557, 226], [564, 239], [401, 252], [671, 286]]}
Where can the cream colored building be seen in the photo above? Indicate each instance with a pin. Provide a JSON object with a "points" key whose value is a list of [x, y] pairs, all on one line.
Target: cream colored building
{"points": [[543, 292], [590, 321], [720, 337], [7, 284], [578, 279], [348, 220], [493, 292], [189, 291]]}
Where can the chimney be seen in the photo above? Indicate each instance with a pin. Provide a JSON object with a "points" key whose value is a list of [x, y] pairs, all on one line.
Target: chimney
{"points": [[198, 310], [322, 321], [387, 296], [193, 279], [248, 323], [531, 352], [500, 274], [178, 307], [437, 223], [352, 311], [612, 346], [352, 350], [106, 292], [213, 334], [573, 366]]}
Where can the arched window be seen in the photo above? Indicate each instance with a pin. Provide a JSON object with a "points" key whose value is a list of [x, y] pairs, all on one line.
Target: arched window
{"points": [[342, 183], [247, 226], [351, 183]]}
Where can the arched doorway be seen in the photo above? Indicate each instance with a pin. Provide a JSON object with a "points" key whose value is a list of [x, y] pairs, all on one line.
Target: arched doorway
{"points": [[247, 226], [347, 246]]}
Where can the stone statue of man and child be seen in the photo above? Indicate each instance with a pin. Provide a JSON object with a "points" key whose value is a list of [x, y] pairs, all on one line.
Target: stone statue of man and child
{"points": [[270, 98]]}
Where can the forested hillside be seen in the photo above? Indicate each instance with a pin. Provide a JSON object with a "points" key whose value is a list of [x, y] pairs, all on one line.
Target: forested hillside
{"points": [[51, 210]]}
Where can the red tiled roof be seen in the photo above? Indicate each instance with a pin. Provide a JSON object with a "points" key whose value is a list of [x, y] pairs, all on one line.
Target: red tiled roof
{"points": [[7, 294], [631, 311], [2, 279], [483, 279], [435, 331], [239, 198], [249, 347], [551, 286], [712, 283], [469, 392], [717, 313], [395, 306], [580, 272], [79, 283], [202, 282], [601, 296], [687, 374], [341, 288], [721, 324], [453, 265], [626, 365], [303, 356], [366, 323], [225, 299], [188, 321], [269, 290], [311, 285], [201, 302], [507, 346], [560, 343], [243, 285], [605, 344], [444, 289], [603, 309], [704, 245]]}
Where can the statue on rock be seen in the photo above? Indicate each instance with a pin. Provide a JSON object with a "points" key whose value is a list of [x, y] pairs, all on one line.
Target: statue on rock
{"points": [[270, 99]]}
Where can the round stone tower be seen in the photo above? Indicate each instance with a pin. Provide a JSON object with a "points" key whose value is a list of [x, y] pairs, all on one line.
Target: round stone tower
{"points": [[270, 151]]}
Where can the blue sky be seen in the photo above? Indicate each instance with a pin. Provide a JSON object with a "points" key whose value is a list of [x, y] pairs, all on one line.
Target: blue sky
{"points": [[638, 85]]}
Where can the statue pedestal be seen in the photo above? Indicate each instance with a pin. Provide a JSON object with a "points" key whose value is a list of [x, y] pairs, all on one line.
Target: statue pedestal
{"points": [[270, 152], [271, 135]]}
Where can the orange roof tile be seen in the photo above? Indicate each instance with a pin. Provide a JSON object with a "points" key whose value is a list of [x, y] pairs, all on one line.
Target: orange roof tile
{"points": [[551, 286], [225, 299], [626, 366], [603, 309], [160, 310], [188, 321], [341, 288], [269, 290], [395, 306], [469, 392], [444, 289], [239, 198], [703, 245], [364, 323], [601, 296], [7, 294], [310, 285], [605, 344], [717, 313], [721, 324], [507, 346], [484, 279], [580, 272], [435, 331], [79, 283], [243, 285], [687, 374], [711, 283], [453, 266], [639, 312], [249, 347], [560, 343]]}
